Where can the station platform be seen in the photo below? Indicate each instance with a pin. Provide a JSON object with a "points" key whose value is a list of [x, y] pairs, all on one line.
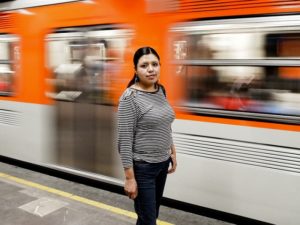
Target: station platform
{"points": [[28, 197]]}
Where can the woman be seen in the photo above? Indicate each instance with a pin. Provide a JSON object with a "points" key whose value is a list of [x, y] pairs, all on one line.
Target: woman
{"points": [[145, 140]]}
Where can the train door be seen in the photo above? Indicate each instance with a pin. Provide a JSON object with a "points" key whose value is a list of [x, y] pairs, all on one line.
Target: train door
{"points": [[84, 63]]}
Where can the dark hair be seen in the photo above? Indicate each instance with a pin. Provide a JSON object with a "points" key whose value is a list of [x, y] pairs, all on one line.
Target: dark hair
{"points": [[137, 55]]}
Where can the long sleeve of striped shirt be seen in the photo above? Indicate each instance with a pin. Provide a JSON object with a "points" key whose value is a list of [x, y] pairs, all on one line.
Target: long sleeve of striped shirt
{"points": [[127, 116]]}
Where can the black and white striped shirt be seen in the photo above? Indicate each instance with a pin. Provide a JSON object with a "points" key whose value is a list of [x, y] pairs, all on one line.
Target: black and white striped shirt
{"points": [[144, 126]]}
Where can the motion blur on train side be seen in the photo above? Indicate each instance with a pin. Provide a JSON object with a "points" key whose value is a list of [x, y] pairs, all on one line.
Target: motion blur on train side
{"points": [[231, 70]]}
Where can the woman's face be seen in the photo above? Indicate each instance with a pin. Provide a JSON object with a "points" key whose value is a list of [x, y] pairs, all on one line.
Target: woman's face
{"points": [[148, 69]]}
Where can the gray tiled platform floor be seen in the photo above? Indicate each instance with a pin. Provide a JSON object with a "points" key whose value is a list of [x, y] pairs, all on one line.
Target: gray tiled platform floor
{"points": [[24, 205]]}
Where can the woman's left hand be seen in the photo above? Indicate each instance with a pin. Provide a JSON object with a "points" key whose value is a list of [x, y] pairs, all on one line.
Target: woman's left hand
{"points": [[173, 163]]}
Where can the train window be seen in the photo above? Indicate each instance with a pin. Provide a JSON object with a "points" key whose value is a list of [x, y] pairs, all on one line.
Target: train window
{"points": [[84, 62], [256, 45], [9, 57], [285, 45], [240, 68]]}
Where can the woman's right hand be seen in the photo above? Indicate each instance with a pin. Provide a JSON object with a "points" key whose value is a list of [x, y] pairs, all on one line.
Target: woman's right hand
{"points": [[131, 188]]}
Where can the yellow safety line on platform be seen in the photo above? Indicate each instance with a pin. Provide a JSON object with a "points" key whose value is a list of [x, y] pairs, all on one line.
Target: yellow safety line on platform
{"points": [[76, 197]]}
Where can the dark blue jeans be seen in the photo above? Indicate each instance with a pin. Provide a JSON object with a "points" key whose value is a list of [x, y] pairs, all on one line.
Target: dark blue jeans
{"points": [[151, 179]]}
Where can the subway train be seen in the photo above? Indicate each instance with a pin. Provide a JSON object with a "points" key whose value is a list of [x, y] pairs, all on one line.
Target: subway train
{"points": [[231, 70]]}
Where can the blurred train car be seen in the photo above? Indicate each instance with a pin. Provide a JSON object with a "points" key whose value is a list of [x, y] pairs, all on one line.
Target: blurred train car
{"points": [[231, 70]]}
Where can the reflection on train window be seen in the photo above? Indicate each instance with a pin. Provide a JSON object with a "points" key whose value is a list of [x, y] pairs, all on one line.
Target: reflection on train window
{"points": [[248, 71], [9, 58], [244, 88], [85, 61]]}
